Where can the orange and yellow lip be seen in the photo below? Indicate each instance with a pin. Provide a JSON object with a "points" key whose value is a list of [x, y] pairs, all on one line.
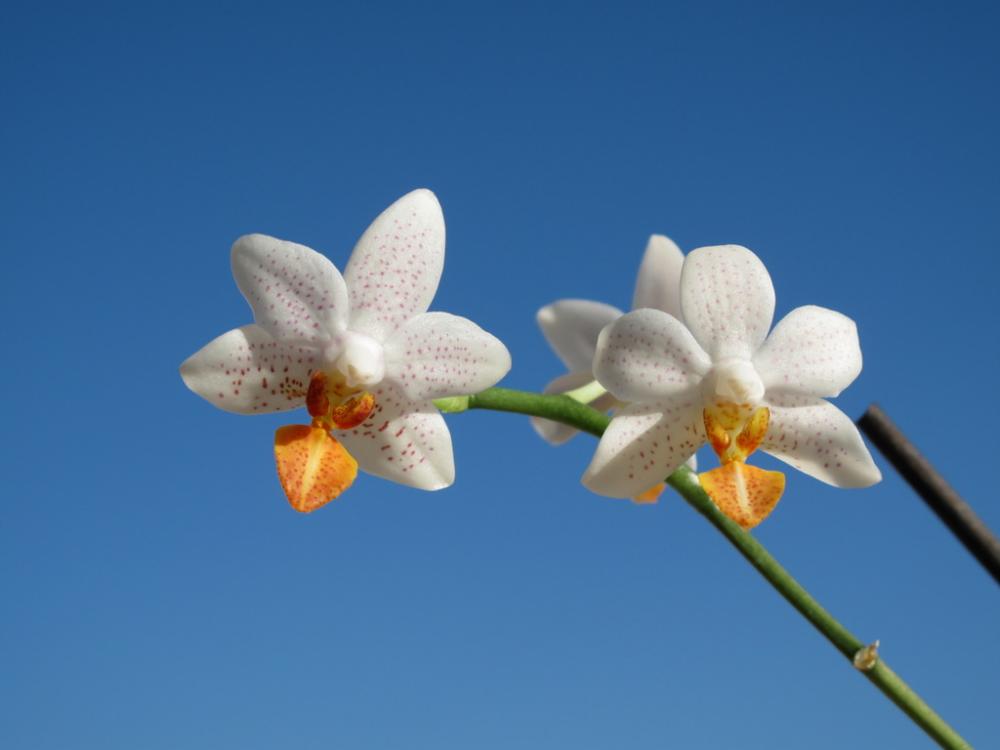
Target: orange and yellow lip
{"points": [[313, 467], [745, 494]]}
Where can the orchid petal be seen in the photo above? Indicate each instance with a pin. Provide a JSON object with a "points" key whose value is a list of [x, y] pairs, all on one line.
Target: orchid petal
{"points": [[394, 270], [727, 299], [436, 354], [644, 444], [313, 467], [403, 441], [571, 327], [248, 371], [812, 350], [658, 284], [817, 438], [296, 293], [557, 433], [647, 355]]}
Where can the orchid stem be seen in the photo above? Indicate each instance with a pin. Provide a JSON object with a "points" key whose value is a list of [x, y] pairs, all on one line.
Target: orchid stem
{"points": [[564, 409]]}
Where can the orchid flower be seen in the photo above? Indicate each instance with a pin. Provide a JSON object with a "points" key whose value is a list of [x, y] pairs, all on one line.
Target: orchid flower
{"points": [[360, 351], [719, 378], [572, 326]]}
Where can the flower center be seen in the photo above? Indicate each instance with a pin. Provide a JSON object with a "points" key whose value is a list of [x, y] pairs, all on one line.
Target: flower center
{"points": [[313, 466], [359, 360], [736, 427], [334, 404], [733, 381], [735, 430]]}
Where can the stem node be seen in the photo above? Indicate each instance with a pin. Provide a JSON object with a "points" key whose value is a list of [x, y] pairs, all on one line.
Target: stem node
{"points": [[866, 658]]}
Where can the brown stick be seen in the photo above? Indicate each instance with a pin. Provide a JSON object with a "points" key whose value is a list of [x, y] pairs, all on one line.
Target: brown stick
{"points": [[953, 511]]}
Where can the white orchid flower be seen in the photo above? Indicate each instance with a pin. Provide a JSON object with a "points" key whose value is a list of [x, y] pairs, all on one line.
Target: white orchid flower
{"points": [[359, 350], [572, 326], [717, 379]]}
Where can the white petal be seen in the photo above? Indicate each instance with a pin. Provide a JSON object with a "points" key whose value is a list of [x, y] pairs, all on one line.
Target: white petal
{"points": [[394, 270], [646, 355], [571, 327], [248, 371], [643, 445], [812, 350], [817, 438], [296, 293], [727, 299], [658, 284], [557, 433], [436, 354], [403, 441]]}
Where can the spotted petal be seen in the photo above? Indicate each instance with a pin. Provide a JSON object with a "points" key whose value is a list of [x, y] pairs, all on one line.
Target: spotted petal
{"points": [[658, 284], [817, 438], [571, 327], [296, 293], [727, 299], [647, 355], [248, 371], [394, 270], [643, 444], [403, 441], [436, 354], [557, 433], [812, 350]]}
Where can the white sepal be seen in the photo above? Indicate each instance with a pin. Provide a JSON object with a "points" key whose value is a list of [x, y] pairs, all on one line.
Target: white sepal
{"points": [[727, 299], [643, 445], [297, 294], [248, 371], [395, 268], [817, 438]]}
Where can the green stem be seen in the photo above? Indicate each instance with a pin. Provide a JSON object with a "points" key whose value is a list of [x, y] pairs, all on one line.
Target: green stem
{"points": [[566, 410]]}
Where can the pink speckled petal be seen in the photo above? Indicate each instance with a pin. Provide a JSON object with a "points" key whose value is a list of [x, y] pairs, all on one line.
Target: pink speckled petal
{"points": [[812, 350], [394, 270], [248, 371], [297, 295], [658, 284], [571, 327], [556, 433], [436, 354], [727, 299], [817, 438], [644, 444], [647, 355], [403, 441]]}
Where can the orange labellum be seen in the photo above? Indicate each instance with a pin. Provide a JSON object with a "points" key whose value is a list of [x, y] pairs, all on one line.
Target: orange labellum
{"points": [[312, 466], [745, 494]]}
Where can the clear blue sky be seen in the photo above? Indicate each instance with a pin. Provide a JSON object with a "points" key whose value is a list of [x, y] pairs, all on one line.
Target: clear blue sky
{"points": [[159, 593]]}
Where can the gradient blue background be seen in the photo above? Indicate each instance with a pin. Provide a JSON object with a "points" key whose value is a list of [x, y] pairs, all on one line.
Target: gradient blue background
{"points": [[158, 592]]}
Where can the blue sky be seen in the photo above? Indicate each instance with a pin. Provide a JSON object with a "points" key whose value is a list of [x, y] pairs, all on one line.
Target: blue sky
{"points": [[158, 591]]}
